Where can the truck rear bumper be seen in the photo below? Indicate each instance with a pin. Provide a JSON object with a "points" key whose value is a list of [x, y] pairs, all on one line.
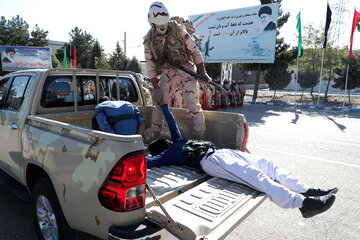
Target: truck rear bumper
{"points": [[136, 231]]}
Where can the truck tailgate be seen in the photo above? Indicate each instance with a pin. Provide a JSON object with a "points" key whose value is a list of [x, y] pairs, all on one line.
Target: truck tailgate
{"points": [[169, 181], [212, 209]]}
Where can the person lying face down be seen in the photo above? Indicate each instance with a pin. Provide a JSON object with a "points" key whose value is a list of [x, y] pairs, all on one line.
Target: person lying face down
{"points": [[262, 174], [120, 117]]}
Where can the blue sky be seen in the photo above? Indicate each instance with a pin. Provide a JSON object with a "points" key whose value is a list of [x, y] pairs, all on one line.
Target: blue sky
{"points": [[107, 20]]}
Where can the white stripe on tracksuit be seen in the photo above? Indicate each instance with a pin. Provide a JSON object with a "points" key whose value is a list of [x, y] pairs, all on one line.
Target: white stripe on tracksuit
{"points": [[261, 174]]}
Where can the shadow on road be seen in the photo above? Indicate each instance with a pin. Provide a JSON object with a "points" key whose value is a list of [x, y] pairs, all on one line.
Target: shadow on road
{"points": [[257, 114], [340, 126]]}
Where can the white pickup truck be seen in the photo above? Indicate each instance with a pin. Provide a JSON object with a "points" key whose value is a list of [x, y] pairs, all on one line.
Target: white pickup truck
{"points": [[82, 180]]}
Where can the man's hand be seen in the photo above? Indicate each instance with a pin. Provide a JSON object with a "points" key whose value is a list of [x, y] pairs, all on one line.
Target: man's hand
{"points": [[201, 69], [157, 95], [155, 82]]}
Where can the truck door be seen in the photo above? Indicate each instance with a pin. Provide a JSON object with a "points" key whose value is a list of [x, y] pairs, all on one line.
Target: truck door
{"points": [[12, 116]]}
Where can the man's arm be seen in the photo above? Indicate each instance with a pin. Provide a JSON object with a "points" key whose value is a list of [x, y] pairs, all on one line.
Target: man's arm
{"points": [[102, 121], [140, 119], [141, 128], [170, 119]]}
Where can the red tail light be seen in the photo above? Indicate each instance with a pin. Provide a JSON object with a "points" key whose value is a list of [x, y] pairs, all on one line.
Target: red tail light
{"points": [[246, 135], [124, 187]]}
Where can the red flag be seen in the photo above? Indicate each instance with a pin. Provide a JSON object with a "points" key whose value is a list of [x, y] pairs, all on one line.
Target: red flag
{"points": [[74, 57], [355, 22]]}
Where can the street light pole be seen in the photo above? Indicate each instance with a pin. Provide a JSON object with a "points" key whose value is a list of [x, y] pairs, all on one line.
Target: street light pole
{"points": [[125, 43]]}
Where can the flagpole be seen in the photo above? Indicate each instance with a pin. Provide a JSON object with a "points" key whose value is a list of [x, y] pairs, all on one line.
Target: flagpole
{"points": [[297, 76], [298, 26], [322, 63], [346, 81]]}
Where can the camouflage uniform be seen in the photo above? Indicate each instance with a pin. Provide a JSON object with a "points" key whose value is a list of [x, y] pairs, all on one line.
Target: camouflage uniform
{"points": [[179, 47], [242, 93], [233, 95], [209, 98], [178, 99]]}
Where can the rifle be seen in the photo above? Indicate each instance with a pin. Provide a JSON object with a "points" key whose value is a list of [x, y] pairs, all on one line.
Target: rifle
{"points": [[198, 76]]}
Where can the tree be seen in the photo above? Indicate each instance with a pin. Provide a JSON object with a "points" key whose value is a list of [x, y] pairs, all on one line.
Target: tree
{"points": [[308, 79], [332, 60], [312, 41], [55, 62], [60, 55], [98, 59], [38, 37], [95, 54], [278, 77], [213, 69], [83, 43], [117, 59], [353, 77], [102, 63], [17, 31], [134, 65], [3, 31]]}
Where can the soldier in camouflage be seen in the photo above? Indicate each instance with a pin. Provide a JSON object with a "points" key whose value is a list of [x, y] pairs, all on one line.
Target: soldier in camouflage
{"points": [[169, 42]]}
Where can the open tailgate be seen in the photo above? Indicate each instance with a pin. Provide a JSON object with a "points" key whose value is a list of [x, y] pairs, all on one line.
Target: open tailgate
{"points": [[211, 209]]}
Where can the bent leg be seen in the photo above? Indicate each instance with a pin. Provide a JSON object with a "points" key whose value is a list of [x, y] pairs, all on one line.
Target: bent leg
{"points": [[166, 86], [190, 91]]}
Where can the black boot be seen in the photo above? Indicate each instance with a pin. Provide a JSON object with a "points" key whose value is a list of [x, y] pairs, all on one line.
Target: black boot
{"points": [[313, 206], [312, 192]]}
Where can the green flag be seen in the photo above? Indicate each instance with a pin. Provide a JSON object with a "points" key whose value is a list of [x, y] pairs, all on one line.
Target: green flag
{"points": [[64, 57], [298, 27]]}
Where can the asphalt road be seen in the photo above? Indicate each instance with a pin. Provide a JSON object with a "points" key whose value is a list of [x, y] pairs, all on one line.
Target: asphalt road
{"points": [[322, 148]]}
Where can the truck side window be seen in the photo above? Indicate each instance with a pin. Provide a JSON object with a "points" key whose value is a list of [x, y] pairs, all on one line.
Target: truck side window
{"points": [[3, 84], [58, 91], [88, 89], [126, 85], [17, 92], [127, 90]]}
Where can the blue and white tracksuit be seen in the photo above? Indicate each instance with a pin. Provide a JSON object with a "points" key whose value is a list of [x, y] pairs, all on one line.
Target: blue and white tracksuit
{"points": [[259, 173], [118, 117]]}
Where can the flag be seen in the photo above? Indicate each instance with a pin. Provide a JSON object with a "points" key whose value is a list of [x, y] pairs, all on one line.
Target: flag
{"points": [[327, 24], [64, 57], [298, 27], [74, 56], [355, 22]]}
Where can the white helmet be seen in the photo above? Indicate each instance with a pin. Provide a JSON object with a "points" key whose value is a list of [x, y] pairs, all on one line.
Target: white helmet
{"points": [[158, 14]]}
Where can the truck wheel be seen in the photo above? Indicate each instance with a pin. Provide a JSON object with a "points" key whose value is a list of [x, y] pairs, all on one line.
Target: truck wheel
{"points": [[49, 220]]}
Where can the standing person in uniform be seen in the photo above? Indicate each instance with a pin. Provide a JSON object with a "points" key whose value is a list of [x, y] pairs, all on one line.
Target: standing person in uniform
{"points": [[178, 99], [262, 174], [209, 98], [166, 42], [242, 92], [233, 95]]}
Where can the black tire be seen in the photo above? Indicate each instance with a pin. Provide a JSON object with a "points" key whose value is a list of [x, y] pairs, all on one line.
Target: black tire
{"points": [[50, 214]]}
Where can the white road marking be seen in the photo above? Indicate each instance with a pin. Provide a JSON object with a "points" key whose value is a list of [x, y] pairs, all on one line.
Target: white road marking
{"points": [[315, 158]]}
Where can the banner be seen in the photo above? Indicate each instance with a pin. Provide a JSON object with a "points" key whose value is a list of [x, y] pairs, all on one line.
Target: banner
{"points": [[244, 35], [327, 24], [354, 24], [298, 27], [14, 58]]}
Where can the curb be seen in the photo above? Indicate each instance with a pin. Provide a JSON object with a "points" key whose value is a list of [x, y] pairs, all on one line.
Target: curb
{"points": [[307, 106]]}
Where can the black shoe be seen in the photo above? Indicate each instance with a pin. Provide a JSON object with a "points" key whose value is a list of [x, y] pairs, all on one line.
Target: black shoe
{"points": [[312, 192], [313, 206]]}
